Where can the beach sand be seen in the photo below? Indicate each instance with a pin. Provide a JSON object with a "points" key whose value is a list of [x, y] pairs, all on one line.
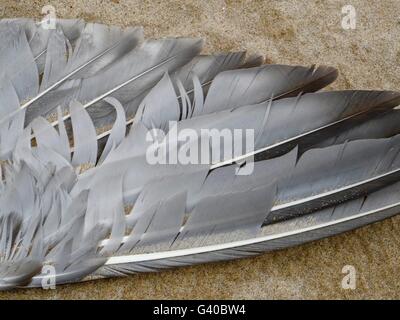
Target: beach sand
{"points": [[289, 32]]}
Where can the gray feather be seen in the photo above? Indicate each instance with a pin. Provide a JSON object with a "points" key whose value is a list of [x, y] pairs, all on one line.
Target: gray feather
{"points": [[71, 213], [17, 62], [85, 149], [251, 86], [383, 125], [324, 177]]}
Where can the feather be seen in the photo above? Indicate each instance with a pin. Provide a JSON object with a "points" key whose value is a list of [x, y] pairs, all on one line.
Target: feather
{"points": [[324, 177], [95, 30], [333, 220], [12, 129], [98, 47], [172, 112], [235, 88], [146, 64], [312, 170], [320, 169], [85, 150], [292, 80], [17, 61], [138, 172], [117, 133], [344, 107], [47, 136], [287, 234], [43, 228], [38, 36], [383, 125], [205, 67]]}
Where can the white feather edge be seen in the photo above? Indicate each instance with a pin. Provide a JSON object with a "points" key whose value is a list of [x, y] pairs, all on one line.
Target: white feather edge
{"points": [[107, 270], [236, 244]]}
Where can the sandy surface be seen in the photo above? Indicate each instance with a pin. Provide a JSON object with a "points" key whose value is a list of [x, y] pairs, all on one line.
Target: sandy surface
{"points": [[292, 32]]}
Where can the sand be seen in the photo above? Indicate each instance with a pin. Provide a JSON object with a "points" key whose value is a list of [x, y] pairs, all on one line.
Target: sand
{"points": [[291, 32]]}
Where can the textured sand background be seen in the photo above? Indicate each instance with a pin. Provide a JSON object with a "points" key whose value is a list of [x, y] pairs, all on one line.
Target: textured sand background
{"points": [[292, 32]]}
